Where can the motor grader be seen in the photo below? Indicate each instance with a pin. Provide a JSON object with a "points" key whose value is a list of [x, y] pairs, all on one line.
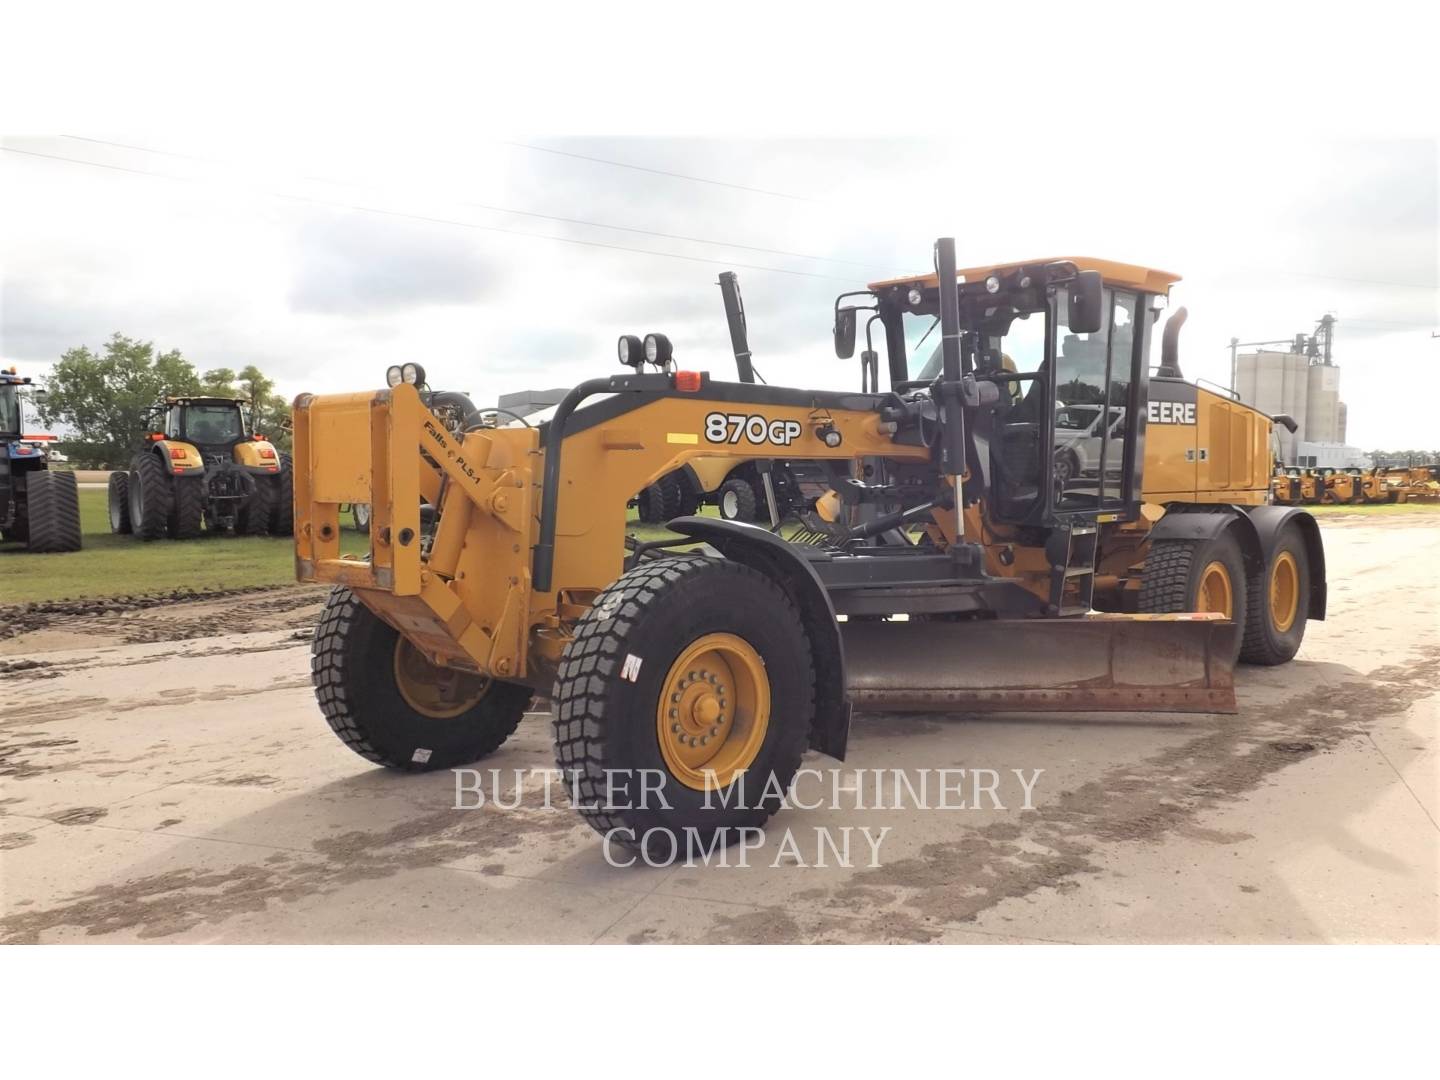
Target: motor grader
{"points": [[202, 469], [963, 575]]}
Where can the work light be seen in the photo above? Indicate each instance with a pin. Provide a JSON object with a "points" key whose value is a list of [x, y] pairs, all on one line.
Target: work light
{"points": [[393, 376], [915, 296], [630, 350], [413, 374], [658, 349]]}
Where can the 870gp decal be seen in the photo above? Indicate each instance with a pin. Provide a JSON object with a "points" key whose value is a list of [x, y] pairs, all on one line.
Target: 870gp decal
{"points": [[753, 428]]}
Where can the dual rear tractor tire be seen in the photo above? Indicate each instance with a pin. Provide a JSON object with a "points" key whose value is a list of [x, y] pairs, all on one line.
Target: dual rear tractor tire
{"points": [[52, 512], [151, 497], [118, 500], [151, 503], [1268, 604]]}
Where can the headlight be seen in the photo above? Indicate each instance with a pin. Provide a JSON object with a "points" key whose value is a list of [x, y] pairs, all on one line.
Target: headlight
{"points": [[393, 377], [992, 284], [914, 296], [630, 349], [658, 349], [413, 374]]}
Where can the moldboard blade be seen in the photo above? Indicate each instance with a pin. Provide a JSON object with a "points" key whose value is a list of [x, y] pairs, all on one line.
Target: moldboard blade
{"points": [[1095, 663]]}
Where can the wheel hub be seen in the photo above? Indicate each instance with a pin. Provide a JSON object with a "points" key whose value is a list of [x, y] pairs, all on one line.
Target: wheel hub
{"points": [[1284, 591], [1215, 593], [437, 692], [713, 711]]}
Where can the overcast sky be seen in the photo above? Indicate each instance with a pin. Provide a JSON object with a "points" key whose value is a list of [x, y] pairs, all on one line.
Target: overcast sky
{"points": [[323, 264]]}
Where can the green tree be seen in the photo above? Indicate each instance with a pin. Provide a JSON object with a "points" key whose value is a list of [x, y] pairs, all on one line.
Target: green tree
{"points": [[220, 382], [103, 396], [269, 412]]}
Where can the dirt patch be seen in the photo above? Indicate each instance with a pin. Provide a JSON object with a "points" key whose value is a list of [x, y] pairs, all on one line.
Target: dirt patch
{"points": [[1055, 845], [163, 904], [173, 616], [79, 815]]}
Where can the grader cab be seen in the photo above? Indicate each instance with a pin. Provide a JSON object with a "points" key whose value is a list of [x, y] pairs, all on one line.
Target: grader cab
{"points": [[964, 572]]}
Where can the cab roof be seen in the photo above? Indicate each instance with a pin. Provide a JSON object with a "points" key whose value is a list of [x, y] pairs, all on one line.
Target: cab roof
{"points": [[202, 399], [1122, 275]]}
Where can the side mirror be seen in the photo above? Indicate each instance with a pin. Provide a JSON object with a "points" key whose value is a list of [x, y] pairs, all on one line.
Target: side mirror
{"points": [[1085, 312], [845, 332]]}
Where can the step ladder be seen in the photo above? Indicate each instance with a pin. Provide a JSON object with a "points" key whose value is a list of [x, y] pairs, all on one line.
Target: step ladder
{"points": [[1072, 581]]}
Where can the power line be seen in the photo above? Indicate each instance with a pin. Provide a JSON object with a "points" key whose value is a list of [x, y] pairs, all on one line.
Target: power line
{"points": [[438, 220], [660, 172], [520, 213]]}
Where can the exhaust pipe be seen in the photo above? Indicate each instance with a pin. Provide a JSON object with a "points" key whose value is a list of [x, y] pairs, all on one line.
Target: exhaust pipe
{"points": [[1170, 346]]}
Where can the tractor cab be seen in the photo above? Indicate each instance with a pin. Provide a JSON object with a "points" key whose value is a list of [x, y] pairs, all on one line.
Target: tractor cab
{"points": [[1030, 393], [212, 424]]}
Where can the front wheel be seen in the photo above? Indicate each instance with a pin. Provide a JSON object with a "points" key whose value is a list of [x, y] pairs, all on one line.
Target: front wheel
{"points": [[682, 705], [390, 705]]}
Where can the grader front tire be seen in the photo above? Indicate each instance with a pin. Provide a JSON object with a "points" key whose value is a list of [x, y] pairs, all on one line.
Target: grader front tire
{"points": [[392, 707], [695, 671]]}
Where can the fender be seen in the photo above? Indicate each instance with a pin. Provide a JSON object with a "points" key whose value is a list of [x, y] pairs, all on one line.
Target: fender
{"points": [[190, 463], [764, 551], [1269, 520], [1208, 522]]}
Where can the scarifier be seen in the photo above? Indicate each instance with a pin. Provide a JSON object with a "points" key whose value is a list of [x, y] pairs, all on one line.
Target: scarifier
{"points": [[966, 569]]}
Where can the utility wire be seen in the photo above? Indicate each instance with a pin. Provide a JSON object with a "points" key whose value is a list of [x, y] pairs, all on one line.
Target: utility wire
{"points": [[437, 220], [512, 210], [660, 172]]}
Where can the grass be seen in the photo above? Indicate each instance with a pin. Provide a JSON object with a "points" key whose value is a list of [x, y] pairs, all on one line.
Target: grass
{"points": [[112, 565]]}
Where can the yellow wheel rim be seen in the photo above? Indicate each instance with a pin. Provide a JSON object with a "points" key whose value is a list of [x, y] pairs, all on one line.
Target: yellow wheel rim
{"points": [[1216, 593], [1284, 591], [440, 693], [713, 711]]}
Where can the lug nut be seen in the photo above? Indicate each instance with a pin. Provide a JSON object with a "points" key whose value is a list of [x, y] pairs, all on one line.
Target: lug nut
{"points": [[715, 731], [676, 729], [705, 740], [674, 713]]}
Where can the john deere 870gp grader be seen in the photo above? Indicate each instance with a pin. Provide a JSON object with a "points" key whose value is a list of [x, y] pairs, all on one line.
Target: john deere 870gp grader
{"points": [[964, 572]]}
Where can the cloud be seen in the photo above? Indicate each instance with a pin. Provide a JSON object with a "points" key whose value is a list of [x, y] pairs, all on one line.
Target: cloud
{"points": [[357, 264]]}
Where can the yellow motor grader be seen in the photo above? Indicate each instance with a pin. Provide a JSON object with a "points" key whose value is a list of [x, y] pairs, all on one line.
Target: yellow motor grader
{"points": [[963, 572]]}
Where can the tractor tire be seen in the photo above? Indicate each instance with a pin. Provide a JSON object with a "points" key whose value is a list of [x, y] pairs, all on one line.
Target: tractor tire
{"points": [[282, 499], [52, 512], [150, 497], [253, 518], [378, 696], [1279, 603], [660, 501], [1196, 575], [737, 500], [654, 637], [187, 507], [119, 499], [360, 513], [689, 500]]}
